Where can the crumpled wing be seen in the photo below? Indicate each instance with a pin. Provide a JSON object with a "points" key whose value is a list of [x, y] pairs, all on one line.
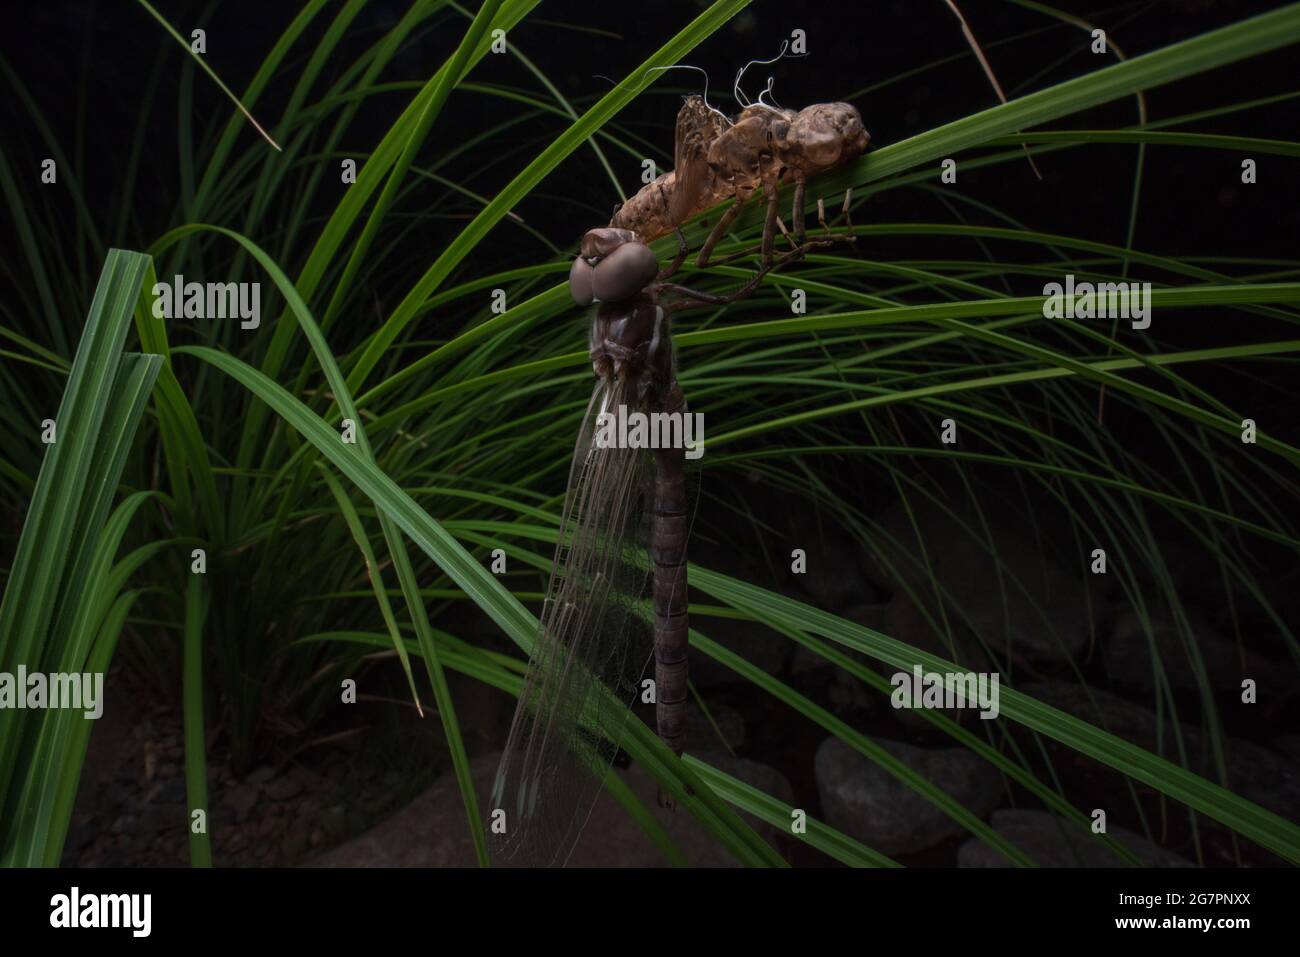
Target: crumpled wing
{"points": [[697, 127], [592, 648]]}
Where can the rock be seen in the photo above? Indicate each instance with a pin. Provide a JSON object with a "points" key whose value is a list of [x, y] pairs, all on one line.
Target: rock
{"points": [[764, 777], [334, 820], [260, 776], [1254, 772], [284, 787], [1260, 776], [833, 578], [169, 791], [431, 831], [1288, 744], [848, 695], [868, 803], [843, 692], [701, 736], [999, 584], [240, 801], [1052, 842], [121, 793], [295, 844], [1128, 654], [746, 563], [80, 835], [759, 645], [157, 817]]}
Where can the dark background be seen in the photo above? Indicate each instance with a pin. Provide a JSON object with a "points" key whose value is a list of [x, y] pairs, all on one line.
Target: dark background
{"points": [[87, 67], [91, 62]]}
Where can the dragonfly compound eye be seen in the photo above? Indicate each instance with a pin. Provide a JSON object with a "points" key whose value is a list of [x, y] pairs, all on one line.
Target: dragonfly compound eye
{"points": [[580, 282], [623, 273]]}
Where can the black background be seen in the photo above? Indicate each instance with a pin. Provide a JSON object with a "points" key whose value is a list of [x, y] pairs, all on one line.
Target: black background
{"points": [[86, 67]]}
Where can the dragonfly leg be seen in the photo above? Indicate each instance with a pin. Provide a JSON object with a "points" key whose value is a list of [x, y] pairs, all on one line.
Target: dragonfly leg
{"points": [[796, 210], [848, 236], [680, 258], [769, 221], [764, 247], [719, 230], [848, 219], [780, 224], [693, 298]]}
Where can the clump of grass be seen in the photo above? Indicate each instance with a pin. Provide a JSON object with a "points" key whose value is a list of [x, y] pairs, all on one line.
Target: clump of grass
{"points": [[459, 411]]}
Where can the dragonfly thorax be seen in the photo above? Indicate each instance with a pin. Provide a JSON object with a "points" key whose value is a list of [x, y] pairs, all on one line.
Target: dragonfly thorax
{"points": [[630, 343]]}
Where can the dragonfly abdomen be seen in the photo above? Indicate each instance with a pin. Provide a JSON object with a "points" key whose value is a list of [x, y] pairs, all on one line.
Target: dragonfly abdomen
{"points": [[669, 532]]}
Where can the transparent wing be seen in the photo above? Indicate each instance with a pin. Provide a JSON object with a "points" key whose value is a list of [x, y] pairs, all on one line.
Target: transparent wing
{"points": [[590, 653]]}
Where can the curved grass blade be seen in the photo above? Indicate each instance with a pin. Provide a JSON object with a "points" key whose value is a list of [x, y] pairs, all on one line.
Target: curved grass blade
{"points": [[1243, 816]]}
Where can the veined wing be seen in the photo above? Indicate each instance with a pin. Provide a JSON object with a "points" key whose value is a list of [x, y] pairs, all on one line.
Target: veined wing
{"points": [[697, 127], [590, 652]]}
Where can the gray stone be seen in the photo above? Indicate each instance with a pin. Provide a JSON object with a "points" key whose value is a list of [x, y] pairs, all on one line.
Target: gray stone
{"points": [[240, 801], [1051, 842], [284, 787], [866, 802], [702, 736], [81, 834], [334, 820], [159, 817], [1254, 772], [431, 831], [1128, 654], [738, 561], [170, 791], [1288, 744], [833, 577], [762, 776], [757, 644], [260, 776], [848, 695]]}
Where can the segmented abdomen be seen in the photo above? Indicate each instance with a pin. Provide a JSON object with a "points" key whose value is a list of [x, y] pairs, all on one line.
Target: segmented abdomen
{"points": [[669, 532]]}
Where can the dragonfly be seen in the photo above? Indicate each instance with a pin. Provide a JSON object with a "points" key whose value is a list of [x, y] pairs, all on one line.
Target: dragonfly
{"points": [[626, 518]]}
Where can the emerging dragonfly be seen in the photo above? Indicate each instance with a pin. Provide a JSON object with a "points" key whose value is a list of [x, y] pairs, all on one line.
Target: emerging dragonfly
{"points": [[619, 527]]}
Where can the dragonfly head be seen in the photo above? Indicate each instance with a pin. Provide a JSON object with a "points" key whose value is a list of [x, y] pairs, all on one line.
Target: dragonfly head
{"points": [[612, 265]]}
